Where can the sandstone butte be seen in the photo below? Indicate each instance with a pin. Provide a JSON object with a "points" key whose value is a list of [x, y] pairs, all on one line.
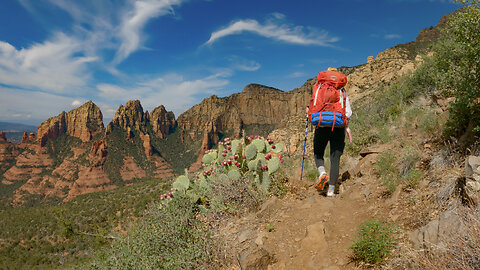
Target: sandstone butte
{"points": [[282, 111]]}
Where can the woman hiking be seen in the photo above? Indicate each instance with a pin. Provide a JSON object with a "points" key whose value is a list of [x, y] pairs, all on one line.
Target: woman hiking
{"points": [[329, 111]]}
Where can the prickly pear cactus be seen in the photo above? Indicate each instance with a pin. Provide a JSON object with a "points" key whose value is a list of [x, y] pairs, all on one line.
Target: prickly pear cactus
{"points": [[254, 158], [181, 184]]}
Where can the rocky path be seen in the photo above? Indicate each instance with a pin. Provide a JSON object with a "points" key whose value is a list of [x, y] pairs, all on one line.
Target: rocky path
{"points": [[305, 230]]}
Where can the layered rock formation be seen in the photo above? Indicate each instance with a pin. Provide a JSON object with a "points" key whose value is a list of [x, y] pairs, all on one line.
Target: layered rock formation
{"points": [[131, 118], [131, 115], [83, 123], [163, 122], [26, 138]]}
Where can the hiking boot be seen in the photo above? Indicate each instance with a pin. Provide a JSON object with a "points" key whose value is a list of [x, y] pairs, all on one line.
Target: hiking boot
{"points": [[331, 191], [322, 180]]}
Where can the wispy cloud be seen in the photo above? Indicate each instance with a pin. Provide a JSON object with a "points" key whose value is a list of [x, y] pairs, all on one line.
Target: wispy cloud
{"points": [[242, 64], [392, 36], [57, 65], [109, 24], [133, 22], [276, 29], [297, 74], [31, 107]]}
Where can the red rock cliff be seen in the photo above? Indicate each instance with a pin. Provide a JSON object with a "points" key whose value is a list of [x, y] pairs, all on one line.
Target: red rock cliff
{"points": [[83, 123]]}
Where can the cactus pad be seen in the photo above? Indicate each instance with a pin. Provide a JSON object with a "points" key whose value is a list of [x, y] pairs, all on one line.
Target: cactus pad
{"points": [[273, 165], [208, 158], [278, 148], [250, 151], [182, 183], [265, 181], [260, 144], [252, 165], [223, 177], [236, 147], [234, 175]]}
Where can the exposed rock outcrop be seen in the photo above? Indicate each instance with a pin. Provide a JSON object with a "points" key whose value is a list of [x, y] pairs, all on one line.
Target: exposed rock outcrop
{"points": [[255, 105], [130, 170], [130, 115], [24, 137], [52, 128], [147, 144], [98, 153], [163, 122], [83, 123]]}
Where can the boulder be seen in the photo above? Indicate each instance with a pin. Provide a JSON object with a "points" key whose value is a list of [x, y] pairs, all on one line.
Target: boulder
{"points": [[472, 181], [437, 230]]}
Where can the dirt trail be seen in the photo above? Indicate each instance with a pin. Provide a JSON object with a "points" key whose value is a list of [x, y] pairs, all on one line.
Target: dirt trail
{"points": [[316, 232], [306, 230]]}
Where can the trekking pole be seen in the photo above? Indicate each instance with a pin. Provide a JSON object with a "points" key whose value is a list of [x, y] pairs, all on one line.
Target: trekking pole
{"points": [[304, 145]]}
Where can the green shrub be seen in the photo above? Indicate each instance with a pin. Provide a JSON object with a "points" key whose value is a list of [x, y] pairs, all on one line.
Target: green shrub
{"points": [[454, 70], [169, 237], [387, 172], [393, 170], [373, 241], [412, 178]]}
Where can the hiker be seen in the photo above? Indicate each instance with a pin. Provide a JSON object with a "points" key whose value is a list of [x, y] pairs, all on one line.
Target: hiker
{"points": [[329, 111]]}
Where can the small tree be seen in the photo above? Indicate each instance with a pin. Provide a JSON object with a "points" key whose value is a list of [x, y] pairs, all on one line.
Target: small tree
{"points": [[457, 65]]}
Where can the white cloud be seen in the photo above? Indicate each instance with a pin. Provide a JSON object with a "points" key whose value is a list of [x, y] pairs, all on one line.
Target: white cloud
{"points": [[276, 30], [133, 22], [76, 103], [392, 36], [115, 25], [30, 107], [56, 65]]}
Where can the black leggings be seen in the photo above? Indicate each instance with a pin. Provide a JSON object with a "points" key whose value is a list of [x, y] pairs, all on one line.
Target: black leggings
{"points": [[322, 136]]}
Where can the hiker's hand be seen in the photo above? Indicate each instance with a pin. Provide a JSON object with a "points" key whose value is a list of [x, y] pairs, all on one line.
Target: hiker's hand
{"points": [[306, 110], [349, 133]]}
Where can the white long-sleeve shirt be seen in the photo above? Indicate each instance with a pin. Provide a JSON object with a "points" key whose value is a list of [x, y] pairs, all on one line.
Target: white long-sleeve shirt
{"points": [[348, 109]]}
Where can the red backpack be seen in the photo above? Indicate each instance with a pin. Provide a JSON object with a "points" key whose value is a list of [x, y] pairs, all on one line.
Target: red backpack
{"points": [[328, 100]]}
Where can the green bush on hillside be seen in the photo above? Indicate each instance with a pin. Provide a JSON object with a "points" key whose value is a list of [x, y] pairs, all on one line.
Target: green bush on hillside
{"points": [[455, 70], [374, 241], [169, 237]]}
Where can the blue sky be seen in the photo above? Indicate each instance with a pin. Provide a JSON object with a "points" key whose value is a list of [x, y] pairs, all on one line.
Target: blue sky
{"points": [[57, 54]]}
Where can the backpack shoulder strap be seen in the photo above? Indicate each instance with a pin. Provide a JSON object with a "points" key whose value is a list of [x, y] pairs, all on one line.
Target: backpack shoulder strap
{"points": [[316, 94]]}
